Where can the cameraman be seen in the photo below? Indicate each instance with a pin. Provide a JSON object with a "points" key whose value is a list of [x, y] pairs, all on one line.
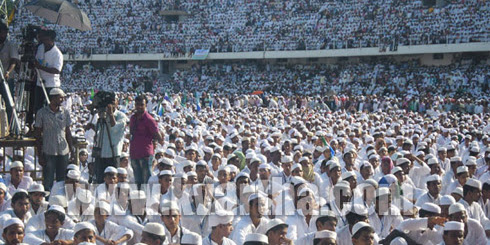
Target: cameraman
{"points": [[115, 120], [9, 55], [49, 62]]}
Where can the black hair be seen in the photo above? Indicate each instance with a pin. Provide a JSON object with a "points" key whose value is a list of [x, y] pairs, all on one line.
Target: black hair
{"points": [[362, 230], [172, 137], [325, 219], [59, 215], [467, 189], [50, 34], [141, 98], [424, 213], [353, 218], [486, 187], [19, 196]]}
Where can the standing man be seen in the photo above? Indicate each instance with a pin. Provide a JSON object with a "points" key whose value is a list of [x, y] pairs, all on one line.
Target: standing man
{"points": [[144, 130], [53, 128], [9, 56], [110, 133], [49, 62]]}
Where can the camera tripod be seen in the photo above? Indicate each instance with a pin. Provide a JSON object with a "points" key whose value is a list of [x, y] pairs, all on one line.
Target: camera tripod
{"points": [[19, 105]]}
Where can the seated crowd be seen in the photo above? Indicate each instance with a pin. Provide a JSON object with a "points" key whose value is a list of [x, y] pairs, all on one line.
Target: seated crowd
{"points": [[242, 26]]}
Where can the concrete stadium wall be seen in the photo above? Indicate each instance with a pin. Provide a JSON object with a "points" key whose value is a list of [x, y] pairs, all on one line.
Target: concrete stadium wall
{"points": [[358, 52]]}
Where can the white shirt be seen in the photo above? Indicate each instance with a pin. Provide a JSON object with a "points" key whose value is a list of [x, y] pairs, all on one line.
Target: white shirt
{"points": [[427, 198], [226, 241], [38, 223], [40, 237], [383, 226], [474, 211], [24, 184], [53, 59], [245, 226], [178, 235], [42, 208], [476, 234], [112, 231], [298, 226], [417, 230]]}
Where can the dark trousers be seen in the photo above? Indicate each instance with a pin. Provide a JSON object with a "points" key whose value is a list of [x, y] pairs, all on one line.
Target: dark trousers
{"points": [[54, 164], [101, 164]]}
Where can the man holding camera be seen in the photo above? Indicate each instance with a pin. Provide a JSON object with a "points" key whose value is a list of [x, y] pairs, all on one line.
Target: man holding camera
{"points": [[109, 124], [49, 62]]}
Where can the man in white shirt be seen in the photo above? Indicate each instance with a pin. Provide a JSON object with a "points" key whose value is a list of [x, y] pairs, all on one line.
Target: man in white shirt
{"points": [[16, 180], [55, 216], [170, 215], [48, 62], [221, 227]]}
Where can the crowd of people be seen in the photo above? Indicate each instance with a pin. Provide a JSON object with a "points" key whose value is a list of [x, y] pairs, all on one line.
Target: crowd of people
{"points": [[242, 26], [257, 169], [407, 80]]}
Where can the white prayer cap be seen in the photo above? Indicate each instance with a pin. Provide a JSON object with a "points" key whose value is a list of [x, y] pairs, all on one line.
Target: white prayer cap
{"points": [[57, 91], [83, 226], [242, 174], [457, 190], [456, 159], [434, 177], [325, 234], [347, 174], [257, 195], [90, 243], [303, 159], [59, 200], [431, 207], [154, 228], [13, 221], [250, 155], [207, 150], [166, 161], [396, 170], [16, 164], [453, 226], [166, 172], [456, 208], [359, 210], [401, 161], [358, 226], [274, 149], [370, 182], [181, 175], [296, 180], [224, 168], [333, 165], [103, 205], [137, 195], [462, 169], [342, 185], [432, 161], [382, 191], [38, 188], [122, 171], [169, 206], [124, 155], [170, 152], [256, 237], [3, 187], [255, 159], [398, 241], [325, 212], [441, 149], [264, 166], [73, 174], [191, 173], [447, 200], [220, 217], [111, 170], [84, 195], [286, 159], [470, 163], [295, 166], [474, 183], [191, 163]]}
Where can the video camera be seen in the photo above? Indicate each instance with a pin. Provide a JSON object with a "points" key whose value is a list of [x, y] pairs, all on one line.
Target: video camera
{"points": [[102, 99], [28, 48]]}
